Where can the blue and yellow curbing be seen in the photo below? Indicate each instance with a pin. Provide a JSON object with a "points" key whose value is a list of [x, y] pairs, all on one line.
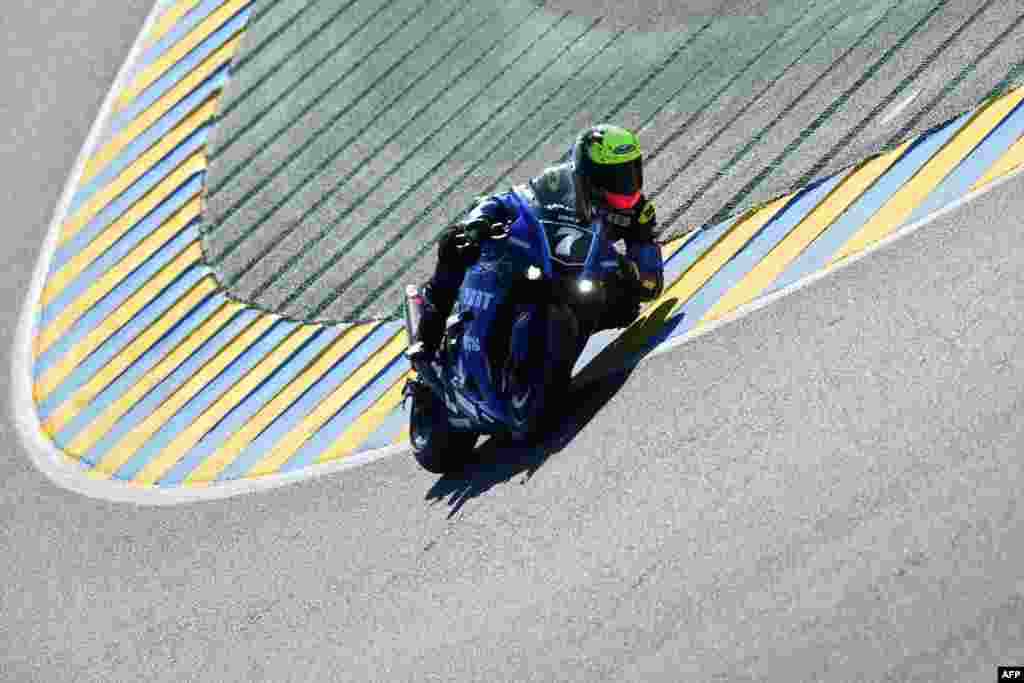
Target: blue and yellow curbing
{"points": [[144, 372]]}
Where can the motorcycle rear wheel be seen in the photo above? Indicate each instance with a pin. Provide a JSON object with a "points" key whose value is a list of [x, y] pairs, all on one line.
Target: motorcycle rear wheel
{"points": [[438, 447]]}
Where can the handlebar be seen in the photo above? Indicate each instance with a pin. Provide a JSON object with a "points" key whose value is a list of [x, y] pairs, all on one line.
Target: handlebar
{"points": [[474, 233]]}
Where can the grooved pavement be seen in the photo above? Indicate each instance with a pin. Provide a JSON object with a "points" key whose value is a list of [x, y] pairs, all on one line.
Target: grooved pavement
{"points": [[354, 131]]}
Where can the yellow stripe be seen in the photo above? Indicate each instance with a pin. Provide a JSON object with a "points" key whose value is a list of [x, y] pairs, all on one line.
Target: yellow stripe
{"points": [[189, 437], [900, 205], [293, 440], [718, 255], [144, 120], [1011, 159], [158, 67], [74, 266], [168, 19], [366, 423], [140, 166], [670, 248], [89, 436], [812, 225], [212, 466], [113, 277], [81, 398], [131, 442], [59, 371]]}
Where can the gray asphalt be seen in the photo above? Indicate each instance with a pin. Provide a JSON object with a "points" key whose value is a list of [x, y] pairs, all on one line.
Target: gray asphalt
{"points": [[824, 490], [333, 169]]}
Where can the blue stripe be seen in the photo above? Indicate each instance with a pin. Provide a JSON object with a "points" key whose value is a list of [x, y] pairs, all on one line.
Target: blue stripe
{"points": [[136, 280], [756, 248], [180, 70], [150, 137], [181, 28], [211, 391], [306, 402], [817, 255], [242, 413], [127, 379], [974, 166], [695, 248], [387, 431], [112, 211], [170, 384], [114, 344], [342, 420], [120, 249]]}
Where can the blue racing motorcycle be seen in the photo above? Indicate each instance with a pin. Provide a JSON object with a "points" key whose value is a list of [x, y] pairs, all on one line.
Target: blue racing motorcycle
{"points": [[522, 317]]}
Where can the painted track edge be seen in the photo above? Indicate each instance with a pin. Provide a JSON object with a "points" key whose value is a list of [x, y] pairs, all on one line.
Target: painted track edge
{"points": [[66, 472], [43, 451], [764, 301]]}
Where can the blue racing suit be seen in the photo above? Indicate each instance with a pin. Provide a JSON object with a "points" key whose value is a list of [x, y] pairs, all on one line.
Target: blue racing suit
{"points": [[551, 195]]}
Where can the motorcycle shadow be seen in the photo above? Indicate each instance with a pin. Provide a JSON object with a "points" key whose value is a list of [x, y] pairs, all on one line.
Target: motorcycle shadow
{"points": [[497, 461]]}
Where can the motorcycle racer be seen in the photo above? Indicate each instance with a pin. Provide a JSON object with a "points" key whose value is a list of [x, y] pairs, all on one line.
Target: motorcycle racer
{"points": [[600, 176]]}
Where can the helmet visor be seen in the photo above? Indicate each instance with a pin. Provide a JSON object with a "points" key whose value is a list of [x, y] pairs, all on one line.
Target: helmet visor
{"points": [[621, 179], [622, 201]]}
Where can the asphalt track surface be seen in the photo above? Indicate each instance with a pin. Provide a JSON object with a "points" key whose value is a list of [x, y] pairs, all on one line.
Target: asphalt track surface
{"points": [[823, 490]]}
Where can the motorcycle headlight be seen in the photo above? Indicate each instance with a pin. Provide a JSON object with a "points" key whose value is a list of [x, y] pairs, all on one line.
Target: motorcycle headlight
{"points": [[533, 273], [586, 286]]}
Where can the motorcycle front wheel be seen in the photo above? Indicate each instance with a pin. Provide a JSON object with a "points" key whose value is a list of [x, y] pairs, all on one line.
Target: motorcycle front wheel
{"points": [[438, 447]]}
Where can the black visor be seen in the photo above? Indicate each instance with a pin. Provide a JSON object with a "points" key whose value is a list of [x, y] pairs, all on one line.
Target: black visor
{"points": [[627, 178]]}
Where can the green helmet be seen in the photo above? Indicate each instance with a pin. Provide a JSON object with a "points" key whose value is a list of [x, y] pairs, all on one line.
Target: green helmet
{"points": [[608, 168]]}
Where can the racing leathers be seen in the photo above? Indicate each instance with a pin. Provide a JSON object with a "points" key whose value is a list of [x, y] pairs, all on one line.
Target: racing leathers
{"points": [[551, 196]]}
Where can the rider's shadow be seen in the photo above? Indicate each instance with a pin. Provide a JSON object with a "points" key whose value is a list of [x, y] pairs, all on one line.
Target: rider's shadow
{"points": [[498, 461]]}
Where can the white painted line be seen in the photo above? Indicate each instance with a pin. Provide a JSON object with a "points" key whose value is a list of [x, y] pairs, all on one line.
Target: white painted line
{"points": [[898, 109], [63, 471]]}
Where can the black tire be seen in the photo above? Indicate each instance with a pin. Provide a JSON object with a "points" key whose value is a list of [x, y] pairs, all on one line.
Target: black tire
{"points": [[437, 447], [557, 359], [564, 330]]}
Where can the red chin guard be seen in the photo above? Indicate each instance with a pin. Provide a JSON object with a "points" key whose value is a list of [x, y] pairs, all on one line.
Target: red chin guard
{"points": [[622, 201]]}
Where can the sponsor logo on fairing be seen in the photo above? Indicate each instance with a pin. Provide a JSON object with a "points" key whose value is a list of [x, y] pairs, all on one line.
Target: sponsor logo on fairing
{"points": [[475, 298]]}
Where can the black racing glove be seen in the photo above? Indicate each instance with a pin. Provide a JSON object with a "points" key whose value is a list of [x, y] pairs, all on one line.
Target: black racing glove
{"points": [[474, 231]]}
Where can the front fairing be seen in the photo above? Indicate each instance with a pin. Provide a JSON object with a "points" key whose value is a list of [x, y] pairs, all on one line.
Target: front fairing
{"points": [[492, 294], [496, 294]]}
